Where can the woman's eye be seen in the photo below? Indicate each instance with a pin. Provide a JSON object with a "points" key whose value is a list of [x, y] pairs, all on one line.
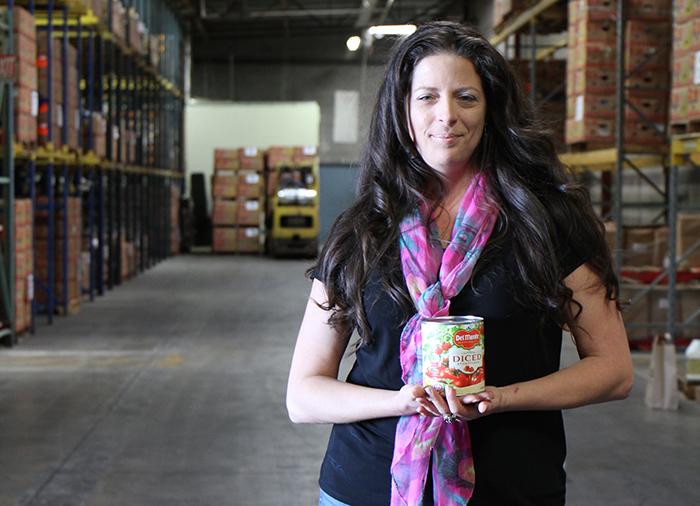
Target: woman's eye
{"points": [[425, 97], [467, 98]]}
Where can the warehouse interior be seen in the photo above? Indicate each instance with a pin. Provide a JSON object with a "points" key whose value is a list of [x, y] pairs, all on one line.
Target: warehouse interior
{"points": [[171, 168]]}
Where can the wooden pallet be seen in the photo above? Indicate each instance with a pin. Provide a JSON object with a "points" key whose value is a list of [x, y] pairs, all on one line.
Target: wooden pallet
{"points": [[691, 389], [685, 127]]}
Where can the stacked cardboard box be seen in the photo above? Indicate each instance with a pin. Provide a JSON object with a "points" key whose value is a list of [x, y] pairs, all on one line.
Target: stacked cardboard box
{"points": [[251, 201], [685, 94], [98, 124], [26, 97], [50, 121], [224, 205], [71, 241], [24, 264], [238, 190], [591, 77]]}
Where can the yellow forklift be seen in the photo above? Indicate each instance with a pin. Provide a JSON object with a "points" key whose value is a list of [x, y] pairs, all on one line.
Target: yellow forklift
{"points": [[294, 226]]}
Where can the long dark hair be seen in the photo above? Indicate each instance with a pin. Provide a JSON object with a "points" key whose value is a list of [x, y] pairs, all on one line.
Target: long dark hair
{"points": [[540, 204]]}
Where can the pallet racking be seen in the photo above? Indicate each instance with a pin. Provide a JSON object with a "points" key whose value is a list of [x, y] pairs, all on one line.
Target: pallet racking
{"points": [[608, 165], [129, 121]]}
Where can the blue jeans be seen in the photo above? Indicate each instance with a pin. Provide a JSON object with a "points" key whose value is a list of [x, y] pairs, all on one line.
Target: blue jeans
{"points": [[326, 500]]}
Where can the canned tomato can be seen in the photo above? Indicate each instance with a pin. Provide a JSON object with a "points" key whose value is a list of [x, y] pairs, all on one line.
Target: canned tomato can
{"points": [[453, 353]]}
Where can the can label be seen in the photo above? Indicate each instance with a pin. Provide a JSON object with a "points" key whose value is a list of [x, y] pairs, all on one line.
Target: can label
{"points": [[453, 353]]}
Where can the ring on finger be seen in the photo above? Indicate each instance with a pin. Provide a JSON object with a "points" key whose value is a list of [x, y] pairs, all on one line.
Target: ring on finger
{"points": [[449, 418]]}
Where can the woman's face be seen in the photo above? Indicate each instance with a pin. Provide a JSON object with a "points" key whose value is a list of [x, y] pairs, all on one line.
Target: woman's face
{"points": [[446, 111]]}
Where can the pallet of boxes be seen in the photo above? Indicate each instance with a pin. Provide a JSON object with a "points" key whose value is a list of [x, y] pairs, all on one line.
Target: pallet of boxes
{"points": [[66, 245], [58, 115], [685, 93], [591, 76], [26, 99], [224, 191], [24, 262], [250, 213], [238, 201]]}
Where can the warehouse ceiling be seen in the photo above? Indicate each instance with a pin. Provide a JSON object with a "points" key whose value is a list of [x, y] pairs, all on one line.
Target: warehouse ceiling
{"points": [[300, 31]]}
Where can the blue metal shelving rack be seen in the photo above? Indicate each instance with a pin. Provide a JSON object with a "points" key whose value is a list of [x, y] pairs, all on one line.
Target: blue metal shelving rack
{"points": [[121, 199]]}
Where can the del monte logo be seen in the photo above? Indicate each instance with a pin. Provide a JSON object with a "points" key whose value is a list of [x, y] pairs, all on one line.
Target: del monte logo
{"points": [[466, 339]]}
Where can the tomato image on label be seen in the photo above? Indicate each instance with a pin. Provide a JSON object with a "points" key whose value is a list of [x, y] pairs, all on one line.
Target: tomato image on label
{"points": [[453, 353]]}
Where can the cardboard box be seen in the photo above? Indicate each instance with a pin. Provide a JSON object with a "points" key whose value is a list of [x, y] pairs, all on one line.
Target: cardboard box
{"points": [[600, 80], [250, 184], [249, 240], [226, 159], [647, 57], [224, 185], [687, 234], [596, 30], [24, 23], [279, 156], [678, 112], [251, 158], [27, 75], [654, 105], [593, 53], [250, 212], [639, 247], [590, 105], [649, 33], [660, 248], [224, 212], [649, 9], [224, 240], [25, 48], [683, 68], [596, 130]]}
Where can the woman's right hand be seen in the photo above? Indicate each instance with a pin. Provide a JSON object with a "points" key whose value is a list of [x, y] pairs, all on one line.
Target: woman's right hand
{"points": [[414, 399]]}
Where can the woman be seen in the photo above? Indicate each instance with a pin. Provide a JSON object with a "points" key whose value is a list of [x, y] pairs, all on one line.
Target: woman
{"points": [[463, 208]]}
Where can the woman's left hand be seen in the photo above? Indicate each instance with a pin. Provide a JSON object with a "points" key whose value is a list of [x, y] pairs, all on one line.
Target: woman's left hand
{"points": [[467, 407]]}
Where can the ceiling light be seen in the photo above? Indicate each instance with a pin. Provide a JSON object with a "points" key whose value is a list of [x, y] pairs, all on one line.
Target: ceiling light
{"points": [[353, 43], [381, 30]]}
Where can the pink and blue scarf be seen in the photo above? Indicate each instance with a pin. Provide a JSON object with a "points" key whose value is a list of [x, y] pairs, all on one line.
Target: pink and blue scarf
{"points": [[433, 277]]}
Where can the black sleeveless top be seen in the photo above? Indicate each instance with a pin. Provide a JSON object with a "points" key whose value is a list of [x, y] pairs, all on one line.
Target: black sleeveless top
{"points": [[518, 456]]}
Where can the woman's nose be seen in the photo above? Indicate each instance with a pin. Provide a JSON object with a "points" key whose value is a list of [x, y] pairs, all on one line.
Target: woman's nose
{"points": [[447, 111]]}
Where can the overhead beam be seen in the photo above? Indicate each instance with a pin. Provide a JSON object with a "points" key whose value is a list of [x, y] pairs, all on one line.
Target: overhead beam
{"points": [[522, 20]]}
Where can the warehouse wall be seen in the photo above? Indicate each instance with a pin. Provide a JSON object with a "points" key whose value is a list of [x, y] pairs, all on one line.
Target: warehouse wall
{"points": [[214, 124], [299, 82], [337, 192]]}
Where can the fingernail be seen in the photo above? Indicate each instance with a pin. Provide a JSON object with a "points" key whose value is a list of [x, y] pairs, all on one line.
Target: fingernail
{"points": [[482, 407]]}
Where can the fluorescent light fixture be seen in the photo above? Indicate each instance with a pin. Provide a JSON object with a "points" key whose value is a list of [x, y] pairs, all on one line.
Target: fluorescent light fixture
{"points": [[381, 30], [353, 43]]}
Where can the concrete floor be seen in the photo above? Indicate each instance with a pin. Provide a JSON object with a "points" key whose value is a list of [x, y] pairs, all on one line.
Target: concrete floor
{"points": [[170, 391]]}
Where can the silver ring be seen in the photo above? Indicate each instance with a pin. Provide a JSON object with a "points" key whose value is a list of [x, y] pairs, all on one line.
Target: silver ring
{"points": [[449, 418]]}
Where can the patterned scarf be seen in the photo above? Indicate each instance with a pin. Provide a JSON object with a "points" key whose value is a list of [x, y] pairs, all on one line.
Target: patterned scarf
{"points": [[433, 277]]}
